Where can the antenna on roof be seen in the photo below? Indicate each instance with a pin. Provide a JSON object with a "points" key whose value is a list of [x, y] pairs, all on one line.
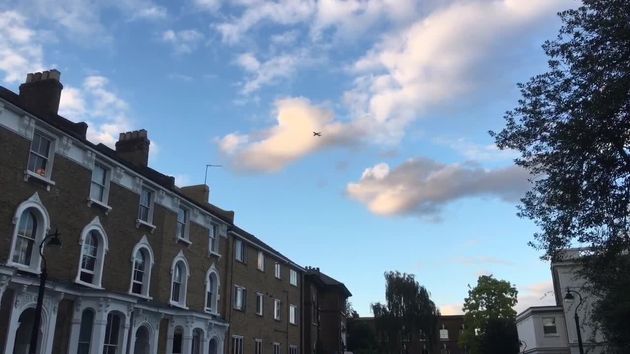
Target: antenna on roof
{"points": [[205, 178]]}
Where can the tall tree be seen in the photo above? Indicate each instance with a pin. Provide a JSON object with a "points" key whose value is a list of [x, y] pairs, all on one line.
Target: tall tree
{"points": [[409, 311], [572, 129], [490, 301]]}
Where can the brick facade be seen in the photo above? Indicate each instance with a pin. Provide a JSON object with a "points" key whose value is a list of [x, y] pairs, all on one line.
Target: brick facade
{"points": [[91, 288]]}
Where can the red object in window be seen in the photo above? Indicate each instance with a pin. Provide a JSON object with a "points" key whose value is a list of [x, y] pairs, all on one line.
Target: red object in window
{"points": [[41, 172]]}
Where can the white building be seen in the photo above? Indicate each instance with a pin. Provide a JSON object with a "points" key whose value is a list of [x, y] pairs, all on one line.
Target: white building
{"points": [[552, 329]]}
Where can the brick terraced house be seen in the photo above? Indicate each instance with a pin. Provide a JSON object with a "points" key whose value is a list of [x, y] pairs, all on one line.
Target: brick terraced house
{"points": [[145, 267]]}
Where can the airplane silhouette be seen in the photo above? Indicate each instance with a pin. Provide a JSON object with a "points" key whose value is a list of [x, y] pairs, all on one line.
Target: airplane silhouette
{"points": [[317, 133]]}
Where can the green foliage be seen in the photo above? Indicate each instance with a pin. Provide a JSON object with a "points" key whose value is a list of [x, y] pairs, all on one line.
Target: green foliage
{"points": [[572, 129], [490, 300], [408, 312]]}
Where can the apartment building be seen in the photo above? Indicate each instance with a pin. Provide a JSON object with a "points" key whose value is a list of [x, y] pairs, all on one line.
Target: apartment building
{"points": [[144, 266]]}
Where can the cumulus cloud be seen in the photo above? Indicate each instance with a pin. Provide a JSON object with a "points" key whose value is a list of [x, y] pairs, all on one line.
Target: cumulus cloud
{"points": [[95, 103], [439, 58], [20, 51], [183, 42], [290, 139], [422, 187]]}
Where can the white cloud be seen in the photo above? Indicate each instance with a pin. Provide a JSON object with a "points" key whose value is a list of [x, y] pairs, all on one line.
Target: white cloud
{"points": [[268, 72], [20, 51], [283, 12], [423, 187], [440, 57], [290, 139], [183, 42], [95, 103]]}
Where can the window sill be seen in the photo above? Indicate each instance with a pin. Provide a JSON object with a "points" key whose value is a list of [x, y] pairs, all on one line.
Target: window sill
{"points": [[294, 285], [43, 179], [148, 225], [260, 270], [146, 297], [213, 253], [24, 268], [259, 315], [211, 312], [99, 204], [89, 285], [183, 240], [241, 261], [177, 304]]}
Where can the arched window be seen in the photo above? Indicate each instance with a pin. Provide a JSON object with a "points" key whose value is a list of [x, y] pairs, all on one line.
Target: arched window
{"points": [[177, 340], [89, 253], [113, 334], [142, 262], [212, 290], [196, 341], [85, 333], [93, 247], [31, 222], [179, 280], [25, 238]]}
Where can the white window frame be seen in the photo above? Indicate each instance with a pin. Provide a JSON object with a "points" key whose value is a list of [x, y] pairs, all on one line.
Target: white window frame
{"points": [[260, 303], [277, 308], [151, 207], [555, 326], [184, 286], [107, 170], [240, 295], [237, 344], [293, 277], [276, 348], [293, 349], [46, 177], [213, 239], [261, 261], [121, 332], [142, 245], [292, 314], [103, 247], [43, 221], [277, 270], [186, 224], [214, 300], [240, 251], [258, 346]]}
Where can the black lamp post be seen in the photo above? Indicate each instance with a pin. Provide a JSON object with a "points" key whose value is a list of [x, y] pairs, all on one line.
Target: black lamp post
{"points": [[53, 240], [569, 297]]}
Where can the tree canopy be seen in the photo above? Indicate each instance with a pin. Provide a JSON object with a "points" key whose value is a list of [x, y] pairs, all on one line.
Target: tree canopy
{"points": [[487, 310], [572, 130], [408, 312]]}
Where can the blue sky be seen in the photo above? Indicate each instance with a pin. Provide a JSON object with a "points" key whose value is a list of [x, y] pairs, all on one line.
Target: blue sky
{"points": [[404, 177]]}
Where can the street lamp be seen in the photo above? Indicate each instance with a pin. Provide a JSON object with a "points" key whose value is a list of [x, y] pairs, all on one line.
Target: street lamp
{"points": [[53, 240], [569, 297]]}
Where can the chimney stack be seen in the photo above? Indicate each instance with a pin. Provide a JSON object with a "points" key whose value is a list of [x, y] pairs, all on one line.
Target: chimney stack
{"points": [[41, 93], [134, 147], [199, 193]]}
